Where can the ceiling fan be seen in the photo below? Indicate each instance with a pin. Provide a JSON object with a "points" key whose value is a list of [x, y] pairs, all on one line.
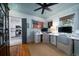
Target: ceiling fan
{"points": [[44, 6]]}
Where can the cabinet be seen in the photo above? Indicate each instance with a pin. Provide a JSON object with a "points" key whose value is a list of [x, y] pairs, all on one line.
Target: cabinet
{"points": [[65, 44], [37, 38], [76, 47], [45, 37], [4, 29], [53, 39]]}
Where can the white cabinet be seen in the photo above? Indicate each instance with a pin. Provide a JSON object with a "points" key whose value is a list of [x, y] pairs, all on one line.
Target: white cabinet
{"points": [[76, 47], [65, 44], [45, 37], [53, 39], [37, 38]]}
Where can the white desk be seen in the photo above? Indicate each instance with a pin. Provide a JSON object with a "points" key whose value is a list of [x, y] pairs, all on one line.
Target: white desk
{"points": [[55, 34], [39, 33], [74, 38], [69, 36], [54, 38]]}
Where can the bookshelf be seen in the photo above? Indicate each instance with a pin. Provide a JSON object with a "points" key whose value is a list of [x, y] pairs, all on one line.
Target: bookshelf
{"points": [[4, 29]]}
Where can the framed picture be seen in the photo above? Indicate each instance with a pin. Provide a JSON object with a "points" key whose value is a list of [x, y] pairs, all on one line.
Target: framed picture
{"points": [[67, 20], [37, 24]]}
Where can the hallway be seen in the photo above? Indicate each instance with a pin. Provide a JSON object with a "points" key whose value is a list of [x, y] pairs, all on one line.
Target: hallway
{"points": [[35, 50]]}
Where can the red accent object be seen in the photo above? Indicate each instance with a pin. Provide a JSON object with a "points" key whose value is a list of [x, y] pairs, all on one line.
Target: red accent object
{"points": [[38, 25]]}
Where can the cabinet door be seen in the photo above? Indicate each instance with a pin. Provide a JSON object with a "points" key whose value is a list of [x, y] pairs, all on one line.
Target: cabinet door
{"points": [[37, 38], [65, 44], [53, 39], [76, 48], [45, 37]]}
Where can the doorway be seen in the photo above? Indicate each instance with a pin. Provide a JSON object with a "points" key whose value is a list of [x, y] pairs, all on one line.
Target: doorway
{"points": [[24, 30]]}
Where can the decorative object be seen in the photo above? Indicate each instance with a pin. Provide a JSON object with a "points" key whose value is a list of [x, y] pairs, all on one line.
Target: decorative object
{"points": [[67, 20], [53, 28], [50, 24], [18, 31]]}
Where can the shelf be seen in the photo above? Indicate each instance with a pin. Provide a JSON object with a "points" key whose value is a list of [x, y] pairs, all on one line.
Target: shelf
{"points": [[1, 28], [1, 20], [4, 29]]}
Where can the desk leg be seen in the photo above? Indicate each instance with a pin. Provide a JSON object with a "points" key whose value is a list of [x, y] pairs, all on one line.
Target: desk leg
{"points": [[72, 47], [49, 38], [41, 38], [56, 41]]}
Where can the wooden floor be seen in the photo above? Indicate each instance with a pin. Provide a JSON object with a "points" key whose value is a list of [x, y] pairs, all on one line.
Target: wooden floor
{"points": [[42, 49], [33, 49], [19, 50]]}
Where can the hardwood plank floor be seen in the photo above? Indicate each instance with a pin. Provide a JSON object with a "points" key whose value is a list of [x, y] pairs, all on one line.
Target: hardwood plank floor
{"points": [[19, 50], [33, 49], [42, 49]]}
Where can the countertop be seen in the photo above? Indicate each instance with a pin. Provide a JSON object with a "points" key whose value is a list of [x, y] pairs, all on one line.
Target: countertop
{"points": [[57, 34], [68, 35]]}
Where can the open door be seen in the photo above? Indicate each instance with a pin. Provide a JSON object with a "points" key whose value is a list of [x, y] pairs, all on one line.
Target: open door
{"points": [[24, 30]]}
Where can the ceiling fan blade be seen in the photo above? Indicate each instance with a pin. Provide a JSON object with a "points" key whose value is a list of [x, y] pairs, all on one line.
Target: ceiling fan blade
{"points": [[37, 8], [50, 4], [42, 11], [40, 4], [48, 9]]}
